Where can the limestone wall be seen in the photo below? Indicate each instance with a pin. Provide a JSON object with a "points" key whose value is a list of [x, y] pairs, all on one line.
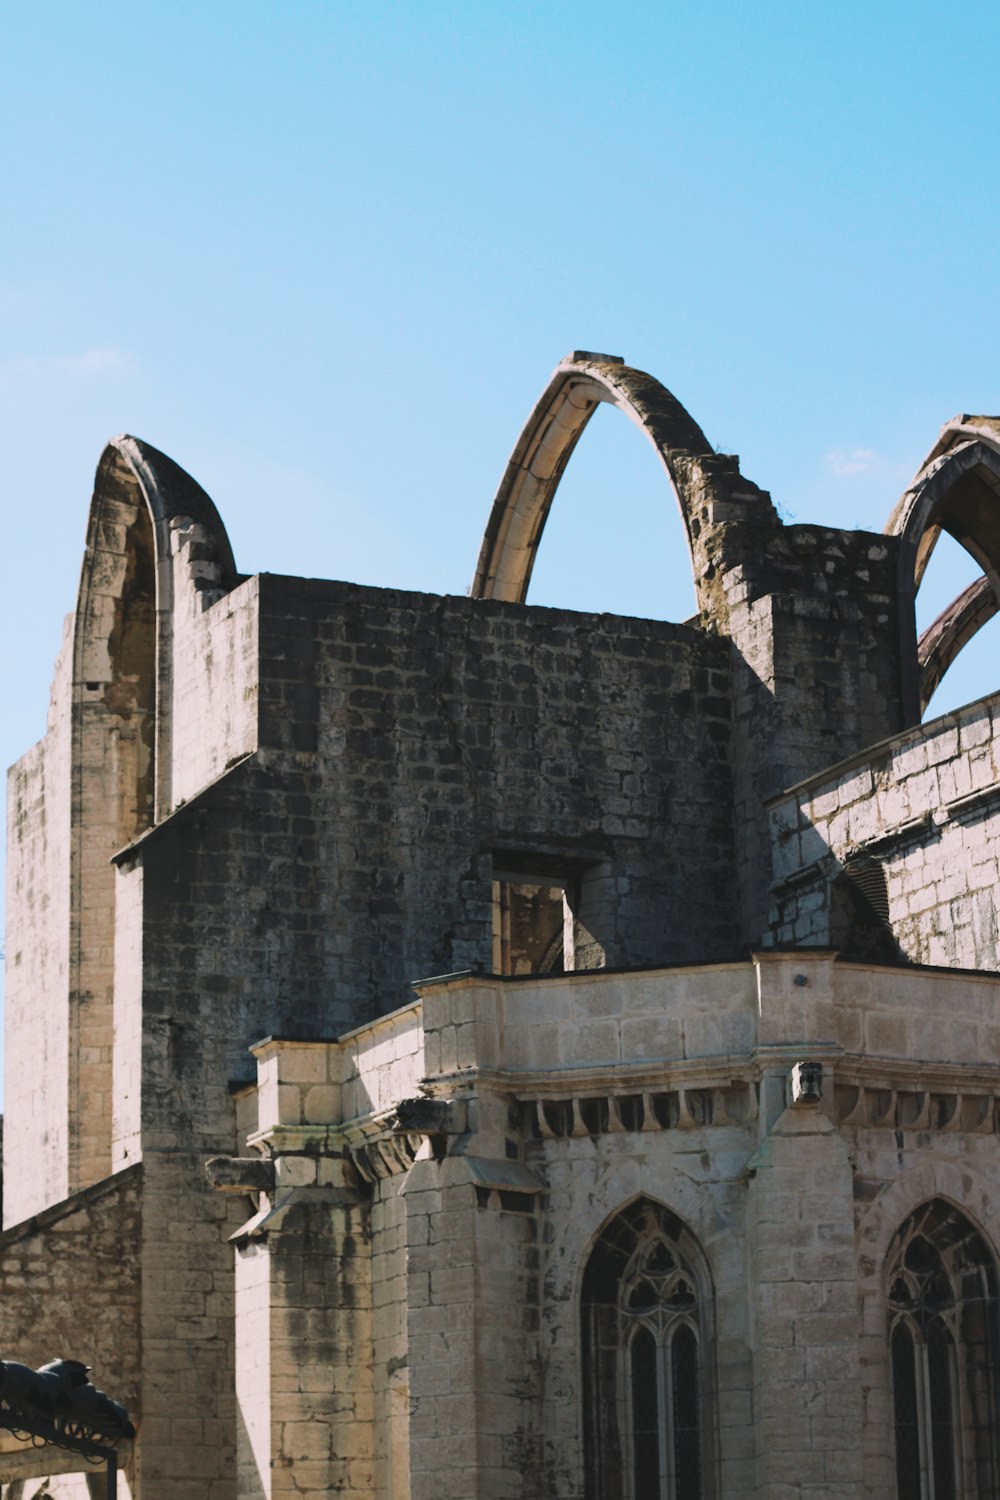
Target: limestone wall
{"points": [[479, 1235], [818, 673], [402, 741], [72, 1081], [188, 1439], [70, 1282], [126, 1122], [926, 806], [37, 1023], [390, 1339], [214, 690], [448, 729]]}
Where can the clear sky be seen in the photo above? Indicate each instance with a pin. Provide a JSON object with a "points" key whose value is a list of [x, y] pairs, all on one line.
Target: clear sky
{"points": [[325, 253]]}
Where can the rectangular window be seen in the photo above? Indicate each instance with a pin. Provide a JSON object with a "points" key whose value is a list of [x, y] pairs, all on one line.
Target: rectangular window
{"points": [[536, 918]]}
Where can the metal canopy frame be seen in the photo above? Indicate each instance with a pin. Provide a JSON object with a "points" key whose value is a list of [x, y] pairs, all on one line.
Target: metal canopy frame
{"points": [[85, 1438]]}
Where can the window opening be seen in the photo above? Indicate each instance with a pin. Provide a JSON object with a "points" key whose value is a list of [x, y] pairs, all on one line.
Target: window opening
{"points": [[646, 1311], [537, 927], [532, 928], [942, 1304]]}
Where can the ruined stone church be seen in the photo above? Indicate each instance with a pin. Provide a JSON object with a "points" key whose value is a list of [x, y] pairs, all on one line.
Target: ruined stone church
{"points": [[461, 1050]]}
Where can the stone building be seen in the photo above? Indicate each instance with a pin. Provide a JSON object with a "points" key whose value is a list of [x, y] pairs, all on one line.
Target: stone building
{"points": [[462, 1049]]}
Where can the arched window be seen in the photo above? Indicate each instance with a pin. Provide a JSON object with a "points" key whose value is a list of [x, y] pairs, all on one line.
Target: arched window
{"points": [[943, 1347], [647, 1311]]}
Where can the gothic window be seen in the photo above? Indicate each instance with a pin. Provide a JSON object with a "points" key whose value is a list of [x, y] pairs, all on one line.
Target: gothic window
{"points": [[647, 1332], [943, 1350]]}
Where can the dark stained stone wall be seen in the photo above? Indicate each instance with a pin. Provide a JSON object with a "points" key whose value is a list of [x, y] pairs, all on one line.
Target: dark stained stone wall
{"points": [[405, 741]]}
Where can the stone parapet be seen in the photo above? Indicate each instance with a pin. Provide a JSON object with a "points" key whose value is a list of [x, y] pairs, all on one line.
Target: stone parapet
{"points": [[909, 830], [451, 1164]]}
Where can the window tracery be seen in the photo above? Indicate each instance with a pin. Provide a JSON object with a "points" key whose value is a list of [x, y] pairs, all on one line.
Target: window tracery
{"points": [[647, 1315], [943, 1347]]}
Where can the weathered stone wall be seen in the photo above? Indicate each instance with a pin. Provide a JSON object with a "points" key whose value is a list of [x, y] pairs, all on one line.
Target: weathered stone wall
{"points": [[304, 1331], [402, 739], [446, 728], [926, 807], [390, 1340], [37, 1020], [336, 774], [70, 1281], [891, 1180], [188, 1438], [214, 690], [573, 1097], [126, 1122], [88, 788], [818, 670]]}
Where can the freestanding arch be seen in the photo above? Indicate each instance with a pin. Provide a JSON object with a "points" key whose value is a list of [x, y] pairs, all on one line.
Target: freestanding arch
{"points": [[957, 490], [707, 485], [155, 544], [953, 629], [136, 577]]}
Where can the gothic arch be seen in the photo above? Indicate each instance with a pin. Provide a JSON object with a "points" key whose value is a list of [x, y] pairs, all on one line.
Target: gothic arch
{"points": [[648, 1345], [941, 1292], [954, 1182], [139, 570], [155, 545], [577, 385], [953, 629], [957, 490]]}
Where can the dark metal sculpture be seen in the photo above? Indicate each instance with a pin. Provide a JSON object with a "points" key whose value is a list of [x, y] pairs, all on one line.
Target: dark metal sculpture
{"points": [[57, 1404]]}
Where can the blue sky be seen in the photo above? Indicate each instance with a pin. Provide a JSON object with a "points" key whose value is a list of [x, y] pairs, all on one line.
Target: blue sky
{"points": [[325, 255]]}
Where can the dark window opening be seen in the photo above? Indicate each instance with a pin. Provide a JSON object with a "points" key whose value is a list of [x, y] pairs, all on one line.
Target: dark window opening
{"points": [[647, 1309], [943, 1348], [539, 924], [859, 913]]}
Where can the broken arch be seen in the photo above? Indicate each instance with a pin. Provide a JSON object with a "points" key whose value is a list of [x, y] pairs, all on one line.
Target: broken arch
{"points": [[523, 501], [957, 490], [138, 573]]}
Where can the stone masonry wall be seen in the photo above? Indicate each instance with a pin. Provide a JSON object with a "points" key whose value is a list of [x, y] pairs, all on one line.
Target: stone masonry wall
{"points": [[36, 1073], [926, 806], [390, 1345], [669, 1085], [188, 1440], [70, 1287], [402, 739], [448, 727], [818, 671], [214, 700]]}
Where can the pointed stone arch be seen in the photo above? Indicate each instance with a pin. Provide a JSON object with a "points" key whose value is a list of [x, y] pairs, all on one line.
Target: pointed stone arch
{"points": [[955, 1182], [708, 486], [954, 628], [155, 544], [648, 1336], [941, 1288], [957, 490]]}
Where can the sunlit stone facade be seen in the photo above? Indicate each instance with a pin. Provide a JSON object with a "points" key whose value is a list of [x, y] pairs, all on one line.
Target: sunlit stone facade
{"points": [[463, 1049]]}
